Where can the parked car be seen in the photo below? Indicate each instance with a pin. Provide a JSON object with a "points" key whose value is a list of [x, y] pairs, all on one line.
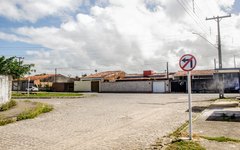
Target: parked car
{"points": [[33, 89]]}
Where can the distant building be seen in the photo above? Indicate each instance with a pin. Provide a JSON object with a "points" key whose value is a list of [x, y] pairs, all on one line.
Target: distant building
{"points": [[43, 81], [91, 83], [202, 81], [206, 81], [119, 81]]}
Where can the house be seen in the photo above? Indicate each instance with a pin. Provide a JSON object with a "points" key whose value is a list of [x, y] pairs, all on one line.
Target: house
{"points": [[147, 82], [231, 79], [119, 81], [5, 88], [202, 81], [43, 81], [91, 83], [63, 87], [207, 81]]}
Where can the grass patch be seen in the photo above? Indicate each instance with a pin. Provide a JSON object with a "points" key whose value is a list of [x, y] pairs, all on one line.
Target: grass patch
{"points": [[185, 145], [47, 94], [32, 110], [32, 113], [221, 139], [7, 121], [8, 105], [178, 131]]}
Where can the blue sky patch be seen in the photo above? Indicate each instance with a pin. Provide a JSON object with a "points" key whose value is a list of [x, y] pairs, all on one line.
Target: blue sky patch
{"points": [[236, 7]]}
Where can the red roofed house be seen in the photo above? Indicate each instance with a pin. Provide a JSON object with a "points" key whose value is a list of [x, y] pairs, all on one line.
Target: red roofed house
{"points": [[202, 81], [42, 81], [91, 83]]}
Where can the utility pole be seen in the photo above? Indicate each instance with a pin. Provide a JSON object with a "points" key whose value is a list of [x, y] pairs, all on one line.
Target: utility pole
{"points": [[193, 3], [234, 59], [221, 84], [167, 71], [215, 64], [19, 63], [55, 75]]}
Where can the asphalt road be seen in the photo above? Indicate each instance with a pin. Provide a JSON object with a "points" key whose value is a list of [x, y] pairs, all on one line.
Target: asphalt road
{"points": [[105, 121]]}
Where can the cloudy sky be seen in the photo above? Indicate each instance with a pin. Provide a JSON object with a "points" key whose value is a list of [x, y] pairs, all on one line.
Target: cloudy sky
{"points": [[79, 36]]}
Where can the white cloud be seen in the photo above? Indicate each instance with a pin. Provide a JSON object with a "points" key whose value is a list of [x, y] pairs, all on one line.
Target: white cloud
{"points": [[133, 35], [33, 10]]}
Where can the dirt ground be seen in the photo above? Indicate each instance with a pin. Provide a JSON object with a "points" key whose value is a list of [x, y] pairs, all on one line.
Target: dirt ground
{"points": [[106, 121]]}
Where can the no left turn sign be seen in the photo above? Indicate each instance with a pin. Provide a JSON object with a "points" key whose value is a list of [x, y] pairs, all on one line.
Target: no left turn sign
{"points": [[187, 62]]}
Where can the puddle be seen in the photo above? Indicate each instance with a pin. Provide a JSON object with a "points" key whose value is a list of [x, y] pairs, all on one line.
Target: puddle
{"points": [[229, 116]]}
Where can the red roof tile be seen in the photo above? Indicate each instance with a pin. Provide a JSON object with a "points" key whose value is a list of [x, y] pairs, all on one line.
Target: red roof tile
{"points": [[39, 77], [103, 74], [195, 72]]}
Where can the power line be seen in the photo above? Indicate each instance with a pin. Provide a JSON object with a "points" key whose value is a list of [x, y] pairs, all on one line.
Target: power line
{"points": [[195, 14], [185, 9], [192, 15]]}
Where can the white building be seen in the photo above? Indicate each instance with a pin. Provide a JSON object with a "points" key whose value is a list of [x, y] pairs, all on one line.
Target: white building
{"points": [[5, 88]]}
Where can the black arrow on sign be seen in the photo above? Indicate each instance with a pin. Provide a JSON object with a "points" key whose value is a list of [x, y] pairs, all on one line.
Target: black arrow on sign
{"points": [[186, 60]]}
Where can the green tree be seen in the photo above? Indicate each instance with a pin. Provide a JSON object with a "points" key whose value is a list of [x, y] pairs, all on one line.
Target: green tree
{"points": [[11, 66]]}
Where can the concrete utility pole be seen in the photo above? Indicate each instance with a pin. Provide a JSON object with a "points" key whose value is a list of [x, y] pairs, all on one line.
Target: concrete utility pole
{"points": [[55, 76], [215, 64], [234, 59], [19, 63], [221, 85], [167, 71], [193, 3]]}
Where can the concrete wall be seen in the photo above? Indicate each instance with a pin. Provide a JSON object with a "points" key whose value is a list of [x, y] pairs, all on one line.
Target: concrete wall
{"points": [[5, 88], [126, 86], [82, 86]]}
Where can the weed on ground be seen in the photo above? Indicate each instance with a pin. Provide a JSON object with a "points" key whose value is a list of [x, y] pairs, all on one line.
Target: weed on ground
{"points": [[32, 113], [221, 139], [8, 105], [33, 110], [185, 145]]}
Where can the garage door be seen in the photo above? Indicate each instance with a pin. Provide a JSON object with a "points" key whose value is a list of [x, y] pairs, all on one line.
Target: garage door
{"points": [[159, 87]]}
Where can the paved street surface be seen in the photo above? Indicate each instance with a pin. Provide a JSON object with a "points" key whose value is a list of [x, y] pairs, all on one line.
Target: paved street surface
{"points": [[105, 121]]}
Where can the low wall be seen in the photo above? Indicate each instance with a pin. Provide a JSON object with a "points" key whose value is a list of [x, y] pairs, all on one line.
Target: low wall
{"points": [[82, 86], [5, 88], [127, 86]]}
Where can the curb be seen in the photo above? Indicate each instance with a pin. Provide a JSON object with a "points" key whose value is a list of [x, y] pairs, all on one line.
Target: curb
{"points": [[74, 97]]}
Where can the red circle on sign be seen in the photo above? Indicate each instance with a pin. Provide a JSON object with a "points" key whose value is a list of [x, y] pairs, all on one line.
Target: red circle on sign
{"points": [[192, 59]]}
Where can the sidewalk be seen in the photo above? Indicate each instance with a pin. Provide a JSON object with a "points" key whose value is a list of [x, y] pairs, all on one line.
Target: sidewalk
{"points": [[219, 121]]}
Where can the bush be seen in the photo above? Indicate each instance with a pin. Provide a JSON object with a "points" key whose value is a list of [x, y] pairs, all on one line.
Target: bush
{"points": [[8, 105]]}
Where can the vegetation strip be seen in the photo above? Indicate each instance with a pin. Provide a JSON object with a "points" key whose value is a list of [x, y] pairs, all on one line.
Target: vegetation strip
{"points": [[221, 139], [8, 105], [178, 131], [32, 113], [27, 114], [46, 95], [185, 145]]}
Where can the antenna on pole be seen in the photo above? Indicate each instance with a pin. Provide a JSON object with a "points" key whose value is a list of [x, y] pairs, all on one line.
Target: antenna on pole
{"points": [[193, 3]]}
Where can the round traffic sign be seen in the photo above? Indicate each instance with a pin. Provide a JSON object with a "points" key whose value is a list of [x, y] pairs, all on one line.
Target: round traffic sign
{"points": [[187, 62]]}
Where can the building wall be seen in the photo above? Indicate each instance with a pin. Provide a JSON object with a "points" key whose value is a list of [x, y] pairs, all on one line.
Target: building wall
{"points": [[5, 88], [166, 87], [62, 87], [82, 86], [126, 86]]}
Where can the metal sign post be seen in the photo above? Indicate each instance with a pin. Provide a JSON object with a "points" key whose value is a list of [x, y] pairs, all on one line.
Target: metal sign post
{"points": [[190, 104], [188, 63]]}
